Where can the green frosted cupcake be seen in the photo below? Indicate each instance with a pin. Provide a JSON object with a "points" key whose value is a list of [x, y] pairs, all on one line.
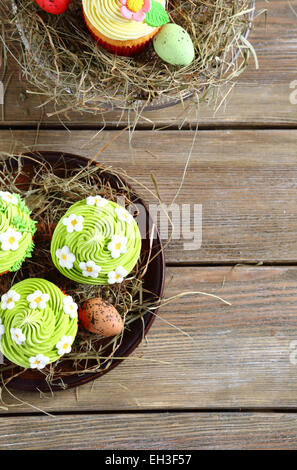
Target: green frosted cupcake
{"points": [[96, 242], [38, 323], [16, 232]]}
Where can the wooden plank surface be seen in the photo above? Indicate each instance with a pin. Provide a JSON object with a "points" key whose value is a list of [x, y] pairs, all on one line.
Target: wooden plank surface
{"points": [[245, 181], [172, 431], [201, 355], [261, 97], [215, 356]]}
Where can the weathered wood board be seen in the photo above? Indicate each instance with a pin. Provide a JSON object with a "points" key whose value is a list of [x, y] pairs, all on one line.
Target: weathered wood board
{"points": [[201, 353], [203, 362], [246, 182], [172, 431]]}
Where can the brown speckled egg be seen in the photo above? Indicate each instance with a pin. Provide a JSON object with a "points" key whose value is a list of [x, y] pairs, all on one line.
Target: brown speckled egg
{"points": [[100, 317]]}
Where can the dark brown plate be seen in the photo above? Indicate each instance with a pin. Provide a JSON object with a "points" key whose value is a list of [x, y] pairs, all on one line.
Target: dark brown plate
{"points": [[153, 282]]}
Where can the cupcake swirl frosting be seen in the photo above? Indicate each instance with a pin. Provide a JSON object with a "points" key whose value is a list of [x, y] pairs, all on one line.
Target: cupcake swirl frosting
{"points": [[106, 16], [39, 323], [96, 242], [16, 232]]}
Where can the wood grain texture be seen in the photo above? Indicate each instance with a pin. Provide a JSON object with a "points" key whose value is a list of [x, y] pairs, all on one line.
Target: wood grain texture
{"points": [[201, 354], [260, 97], [171, 431], [245, 181], [215, 356]]}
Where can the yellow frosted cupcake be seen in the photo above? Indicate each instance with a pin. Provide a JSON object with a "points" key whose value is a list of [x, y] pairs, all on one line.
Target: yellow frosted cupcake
{"points": [[124, 27]]}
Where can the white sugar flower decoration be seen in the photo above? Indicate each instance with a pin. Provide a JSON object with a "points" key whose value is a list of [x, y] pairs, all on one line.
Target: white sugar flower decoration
{"points": [[66, 258], [96, 201], [9, 300], [90, 269], [17, 335], [117, 276], [9, 198], [10, 240], [64, 346], [123, 215], [38, 300], [117, 246], [2, 328], [39, 361], [70, 307], [73, 223]]}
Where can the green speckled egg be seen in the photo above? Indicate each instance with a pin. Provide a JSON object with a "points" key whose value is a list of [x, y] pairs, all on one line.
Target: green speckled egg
{"points": [[174, 45]]}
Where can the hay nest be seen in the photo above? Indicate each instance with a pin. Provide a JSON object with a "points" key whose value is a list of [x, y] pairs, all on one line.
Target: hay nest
{"points": [[61, 59]]}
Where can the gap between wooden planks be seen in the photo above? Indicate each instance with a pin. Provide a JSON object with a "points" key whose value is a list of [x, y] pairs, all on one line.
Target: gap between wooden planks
{"points": [[260, 97], [246, 182], [238, 357]]}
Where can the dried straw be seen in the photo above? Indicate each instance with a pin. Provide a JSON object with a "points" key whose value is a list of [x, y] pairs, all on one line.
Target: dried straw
{"points": [[64, 65]]}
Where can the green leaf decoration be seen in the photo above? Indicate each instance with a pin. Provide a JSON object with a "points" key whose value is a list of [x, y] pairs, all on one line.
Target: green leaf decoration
{"points": [[30, 250], [16, 267], [23, 226], [20, 224], [33, 227], [157, 16], [18, 264]]}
